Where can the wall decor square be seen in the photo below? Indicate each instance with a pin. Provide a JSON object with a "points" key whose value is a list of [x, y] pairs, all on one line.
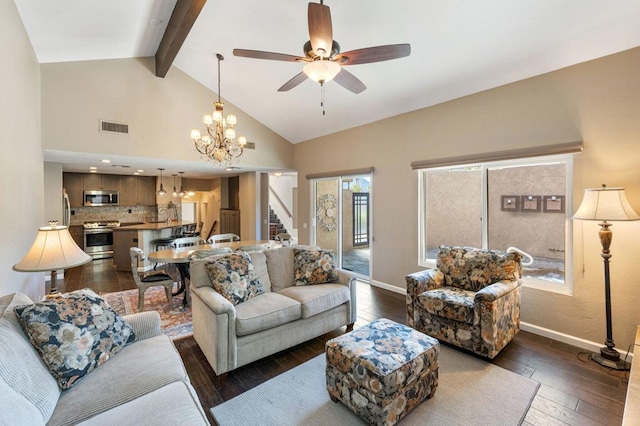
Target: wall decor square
{"points": [[553, 204], [510, 203], [530, 203]]}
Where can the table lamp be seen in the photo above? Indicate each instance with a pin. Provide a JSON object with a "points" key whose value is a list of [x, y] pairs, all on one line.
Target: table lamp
{"points": [[606, 204], [53, 249]]}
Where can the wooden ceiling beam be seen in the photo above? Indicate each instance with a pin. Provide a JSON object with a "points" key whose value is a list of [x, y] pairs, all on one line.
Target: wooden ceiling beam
{"points": [[184, 15]]}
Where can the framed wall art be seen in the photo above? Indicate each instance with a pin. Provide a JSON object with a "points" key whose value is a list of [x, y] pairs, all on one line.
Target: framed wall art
{"points": [[530, 203], [553, 204], [510, 203]]}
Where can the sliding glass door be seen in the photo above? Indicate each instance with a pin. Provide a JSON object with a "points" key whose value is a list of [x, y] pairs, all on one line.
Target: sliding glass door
{"points": [[342, 221]]}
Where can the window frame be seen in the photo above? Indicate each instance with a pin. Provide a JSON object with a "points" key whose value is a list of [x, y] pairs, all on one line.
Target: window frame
{"points": [[568, 159]]}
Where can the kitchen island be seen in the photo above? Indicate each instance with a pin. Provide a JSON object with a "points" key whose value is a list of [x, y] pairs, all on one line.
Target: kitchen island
{"points": [[141, 235]]}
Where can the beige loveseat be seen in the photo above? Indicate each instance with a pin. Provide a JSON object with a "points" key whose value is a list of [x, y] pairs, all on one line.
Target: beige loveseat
{"points": [[231, 336], [144, 383]]}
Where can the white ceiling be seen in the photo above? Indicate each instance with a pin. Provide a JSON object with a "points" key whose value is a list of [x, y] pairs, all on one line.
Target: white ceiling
{"points": [[458, 48]]}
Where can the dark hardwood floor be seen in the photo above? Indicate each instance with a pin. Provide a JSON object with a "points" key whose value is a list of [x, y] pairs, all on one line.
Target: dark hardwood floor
{"points": [[573, 390]]}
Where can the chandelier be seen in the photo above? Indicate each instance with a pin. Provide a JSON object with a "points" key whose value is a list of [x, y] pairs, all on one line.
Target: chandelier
{"points": [[219, 145]]}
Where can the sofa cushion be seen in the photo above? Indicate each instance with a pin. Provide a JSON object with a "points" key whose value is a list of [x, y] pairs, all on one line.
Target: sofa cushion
{"points": [[138, 369], [449, 302], [259, 260], [180, 396], [234, 277], [74, 333], [313, 266], [280, 266], [267, 311], [28, 390], [318, 298]]}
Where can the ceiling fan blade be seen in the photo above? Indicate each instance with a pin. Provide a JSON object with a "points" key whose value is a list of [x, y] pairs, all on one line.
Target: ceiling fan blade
{"points": [[349, 81], [374, 54], [320, 30], [259, 54], [297, 79]]}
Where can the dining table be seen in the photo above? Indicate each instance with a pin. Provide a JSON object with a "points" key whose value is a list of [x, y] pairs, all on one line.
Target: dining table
{"points": [[180, 257]]}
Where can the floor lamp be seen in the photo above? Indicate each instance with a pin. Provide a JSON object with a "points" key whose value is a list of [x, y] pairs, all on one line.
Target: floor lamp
{"points": [[605, 204], [53, 249]]}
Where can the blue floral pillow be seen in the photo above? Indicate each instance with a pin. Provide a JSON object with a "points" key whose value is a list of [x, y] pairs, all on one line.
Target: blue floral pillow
{"points": [[313, 266], [74, 333], [234, 277]]}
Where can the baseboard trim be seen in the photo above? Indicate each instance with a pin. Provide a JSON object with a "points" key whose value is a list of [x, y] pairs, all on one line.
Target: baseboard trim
{"points": [[389, 287], [531, 328], [568, 339]]}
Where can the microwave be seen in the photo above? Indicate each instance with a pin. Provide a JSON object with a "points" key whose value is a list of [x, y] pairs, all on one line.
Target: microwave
{"points": [[100, 198]]}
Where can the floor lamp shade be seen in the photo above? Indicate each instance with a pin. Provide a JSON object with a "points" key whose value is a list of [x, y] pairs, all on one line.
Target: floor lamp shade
{"points": [[605, 204], [52, 249]]}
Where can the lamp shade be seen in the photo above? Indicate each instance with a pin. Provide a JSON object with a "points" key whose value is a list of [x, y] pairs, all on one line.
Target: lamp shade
{"points": [[53, 249], [605, 204]]}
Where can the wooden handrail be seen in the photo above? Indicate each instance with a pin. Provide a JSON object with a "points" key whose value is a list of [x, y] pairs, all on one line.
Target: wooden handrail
{"points": [[286, 210]]}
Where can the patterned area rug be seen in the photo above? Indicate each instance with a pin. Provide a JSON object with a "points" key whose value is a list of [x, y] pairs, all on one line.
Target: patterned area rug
{"points": [[175, 322]]}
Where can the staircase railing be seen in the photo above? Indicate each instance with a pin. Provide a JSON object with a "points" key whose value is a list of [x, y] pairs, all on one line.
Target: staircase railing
{"points": [[275, 196]]}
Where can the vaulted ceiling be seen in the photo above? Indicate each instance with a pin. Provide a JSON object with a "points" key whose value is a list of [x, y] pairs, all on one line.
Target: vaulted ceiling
{"points": [[458, 48]]}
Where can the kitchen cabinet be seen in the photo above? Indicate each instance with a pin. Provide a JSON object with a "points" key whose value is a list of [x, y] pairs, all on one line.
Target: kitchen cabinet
{"points": [[94, 181], [137, 190], [77, 233], [146, 190], [72, 183], [128, 188]]}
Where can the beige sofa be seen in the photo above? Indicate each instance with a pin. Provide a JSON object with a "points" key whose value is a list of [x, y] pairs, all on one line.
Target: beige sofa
{"points": [[231, 336], [144, 383]]}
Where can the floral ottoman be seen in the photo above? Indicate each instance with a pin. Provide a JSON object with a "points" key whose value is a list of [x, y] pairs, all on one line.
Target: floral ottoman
{"points": [[382, 371]]}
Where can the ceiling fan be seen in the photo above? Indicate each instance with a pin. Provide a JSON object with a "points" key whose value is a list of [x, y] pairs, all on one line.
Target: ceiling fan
{"points": [[322, 57]]}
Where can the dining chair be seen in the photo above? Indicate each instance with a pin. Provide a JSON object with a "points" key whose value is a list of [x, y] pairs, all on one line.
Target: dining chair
{"points": [[146, 281], [187, 242], [283, 238], [223, 238]]}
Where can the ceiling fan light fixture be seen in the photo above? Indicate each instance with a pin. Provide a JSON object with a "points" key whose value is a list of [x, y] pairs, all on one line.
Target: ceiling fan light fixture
{"points": [[321, 71]]}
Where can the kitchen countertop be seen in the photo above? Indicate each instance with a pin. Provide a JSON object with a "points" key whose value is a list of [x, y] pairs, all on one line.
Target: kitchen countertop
{"points": [[153, 226]]}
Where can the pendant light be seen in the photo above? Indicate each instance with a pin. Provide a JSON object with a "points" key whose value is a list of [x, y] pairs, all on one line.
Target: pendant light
{"points": [[182, 192], [175, 193], [161, 192]]}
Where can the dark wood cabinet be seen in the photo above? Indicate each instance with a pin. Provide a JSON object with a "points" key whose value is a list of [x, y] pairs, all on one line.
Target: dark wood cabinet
{"points": [[128, 188], [133, 190], [146, 190], [95, 181], [72, 183], [77, 233]]}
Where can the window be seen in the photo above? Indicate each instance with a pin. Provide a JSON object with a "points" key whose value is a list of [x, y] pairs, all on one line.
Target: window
{"points": [[515, 204]]}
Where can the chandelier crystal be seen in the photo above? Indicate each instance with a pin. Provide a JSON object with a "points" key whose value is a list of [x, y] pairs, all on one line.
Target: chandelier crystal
{"points": [[219, 144]]}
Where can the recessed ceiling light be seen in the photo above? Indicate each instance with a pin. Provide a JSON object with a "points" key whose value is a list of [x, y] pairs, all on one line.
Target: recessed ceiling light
{"points": [[93, 168], [93, 171], [140, 171], [136, 173], [106, 161]]}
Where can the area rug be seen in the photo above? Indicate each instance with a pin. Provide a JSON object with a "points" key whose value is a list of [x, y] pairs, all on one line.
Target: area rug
{"points": [[175, 322], [471, 391]]}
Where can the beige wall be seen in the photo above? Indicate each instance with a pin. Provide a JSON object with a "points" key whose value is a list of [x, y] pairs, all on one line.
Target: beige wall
{"points": [[160, 112], [597, 102], [21, 164]]}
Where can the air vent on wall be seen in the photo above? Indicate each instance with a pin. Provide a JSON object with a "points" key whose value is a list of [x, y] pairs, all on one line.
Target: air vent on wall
{"points": [[110, 126], [250, 145]]}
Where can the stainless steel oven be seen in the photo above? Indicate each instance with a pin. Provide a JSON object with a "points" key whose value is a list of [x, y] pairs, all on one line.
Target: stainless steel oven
{"points": [[98, 239]]}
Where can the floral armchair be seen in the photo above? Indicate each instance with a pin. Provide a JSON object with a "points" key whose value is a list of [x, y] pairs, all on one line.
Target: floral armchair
{"points": [[470, 300]]}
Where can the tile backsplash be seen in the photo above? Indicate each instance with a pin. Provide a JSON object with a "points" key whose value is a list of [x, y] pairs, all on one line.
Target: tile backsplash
{"points": [[80, 215]]}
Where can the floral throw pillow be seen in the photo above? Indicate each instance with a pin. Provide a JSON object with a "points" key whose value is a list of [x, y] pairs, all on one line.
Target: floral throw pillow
{"points": [[234, 277], [315, 266], [74, 333]]}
